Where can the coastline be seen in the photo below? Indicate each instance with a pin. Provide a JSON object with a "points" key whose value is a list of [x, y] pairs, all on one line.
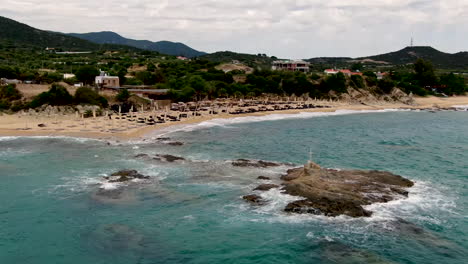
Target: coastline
{"points": [[70, 126]]}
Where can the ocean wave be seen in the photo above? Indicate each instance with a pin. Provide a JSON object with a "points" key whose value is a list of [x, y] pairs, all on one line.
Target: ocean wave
{"points": [[76, 139], [461, 107], [226, 122]]}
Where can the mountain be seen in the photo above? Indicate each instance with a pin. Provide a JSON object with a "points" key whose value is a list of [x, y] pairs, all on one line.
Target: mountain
{"points": [[411, 54], [165, 47], [19, 35], [404, 56]]}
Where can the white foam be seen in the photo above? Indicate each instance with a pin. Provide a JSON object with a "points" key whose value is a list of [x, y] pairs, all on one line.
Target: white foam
{"points": [[109, 185], [423, 199], [461, 107], [78, 139], [225, 122]]}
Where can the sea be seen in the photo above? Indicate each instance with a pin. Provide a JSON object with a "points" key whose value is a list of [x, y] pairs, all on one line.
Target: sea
{"points": [[56, 206]]}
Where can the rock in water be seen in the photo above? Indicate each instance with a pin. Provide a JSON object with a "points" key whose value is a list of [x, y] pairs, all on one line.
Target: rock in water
{"points": [[341, 192], [254, 163], [175, 143], [125, 175], [263, 178], [168, 158], [253, 199], [266, 187]]}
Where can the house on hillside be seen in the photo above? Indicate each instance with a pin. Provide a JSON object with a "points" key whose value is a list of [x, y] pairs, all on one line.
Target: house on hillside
{"points": [[104, 80], [5, 81], [381, 75], [68, 75], [289, 65], [346, 72]]}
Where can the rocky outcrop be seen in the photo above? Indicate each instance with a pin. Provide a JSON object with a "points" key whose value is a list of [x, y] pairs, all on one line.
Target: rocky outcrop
{"points": [[125, 175], [341, 192]]}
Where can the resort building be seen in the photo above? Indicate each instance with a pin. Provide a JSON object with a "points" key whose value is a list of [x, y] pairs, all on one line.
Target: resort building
{"points": [[105, 80], [301, 66], [346, 72]]}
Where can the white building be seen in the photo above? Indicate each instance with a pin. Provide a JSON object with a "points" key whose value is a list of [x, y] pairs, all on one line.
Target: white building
{"points": [[105, 80], [68, 75], [289, 65]]}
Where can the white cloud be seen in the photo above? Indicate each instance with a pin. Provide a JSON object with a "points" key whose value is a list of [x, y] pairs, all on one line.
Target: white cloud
{"points": [[285, 28]]}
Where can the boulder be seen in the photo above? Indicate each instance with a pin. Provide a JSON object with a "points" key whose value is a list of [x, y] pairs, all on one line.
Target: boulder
{"points": [[266, 187], [253, 199], [263, 178], [125, 175]]}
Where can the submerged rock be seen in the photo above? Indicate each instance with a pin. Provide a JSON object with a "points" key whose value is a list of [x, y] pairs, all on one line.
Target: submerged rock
{"points": [[141, 155], [266, 187], [337, 252], [263, 178], [327, 207], [341, 192], [175, 143], [254, 163], [168, 158], [125, 175]]}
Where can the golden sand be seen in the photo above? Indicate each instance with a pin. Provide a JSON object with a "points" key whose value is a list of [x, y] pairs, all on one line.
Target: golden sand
{"points": [[105, 128]]}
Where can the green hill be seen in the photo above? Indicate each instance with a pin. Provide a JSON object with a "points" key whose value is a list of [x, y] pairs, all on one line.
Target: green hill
{"points": [[260, 60], [405, 56], [411, 54], [165, 47], [14, 34]]}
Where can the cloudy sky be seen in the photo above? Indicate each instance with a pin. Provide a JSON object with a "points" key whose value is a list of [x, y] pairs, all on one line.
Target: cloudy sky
{"points": [[283, 28]]}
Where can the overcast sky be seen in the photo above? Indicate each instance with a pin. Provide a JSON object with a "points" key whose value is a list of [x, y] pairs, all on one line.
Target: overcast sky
{"points": [[283, 28]]}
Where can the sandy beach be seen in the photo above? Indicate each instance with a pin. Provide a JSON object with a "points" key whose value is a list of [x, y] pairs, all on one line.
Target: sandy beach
{"points": [[121, 128]]}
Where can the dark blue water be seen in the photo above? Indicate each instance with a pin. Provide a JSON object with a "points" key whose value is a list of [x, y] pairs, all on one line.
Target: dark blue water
{"points": [[51, 210]]}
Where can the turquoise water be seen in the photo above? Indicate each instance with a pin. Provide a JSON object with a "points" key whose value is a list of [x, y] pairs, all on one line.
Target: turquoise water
{"points": [[51, 210]]}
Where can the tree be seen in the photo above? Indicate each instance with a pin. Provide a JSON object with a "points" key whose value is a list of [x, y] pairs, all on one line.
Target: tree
{"points": [[335, 82], [57, 95], [146, 77], [453, 84], [357, 66], [85, 95], [358, 81], [123, 95], [424, 73], [87, 74], [385, 85], [199, 85]]}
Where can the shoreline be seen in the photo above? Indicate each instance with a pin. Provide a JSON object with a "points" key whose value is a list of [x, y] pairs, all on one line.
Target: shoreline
{"points": [[70, 126]]}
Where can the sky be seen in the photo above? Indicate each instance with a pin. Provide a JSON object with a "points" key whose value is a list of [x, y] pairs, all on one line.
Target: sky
{"points": [[284, 28]]}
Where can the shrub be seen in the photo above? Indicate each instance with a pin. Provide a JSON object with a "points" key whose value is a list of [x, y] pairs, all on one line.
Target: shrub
{"points": [[85, 95], [57, 95]]}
